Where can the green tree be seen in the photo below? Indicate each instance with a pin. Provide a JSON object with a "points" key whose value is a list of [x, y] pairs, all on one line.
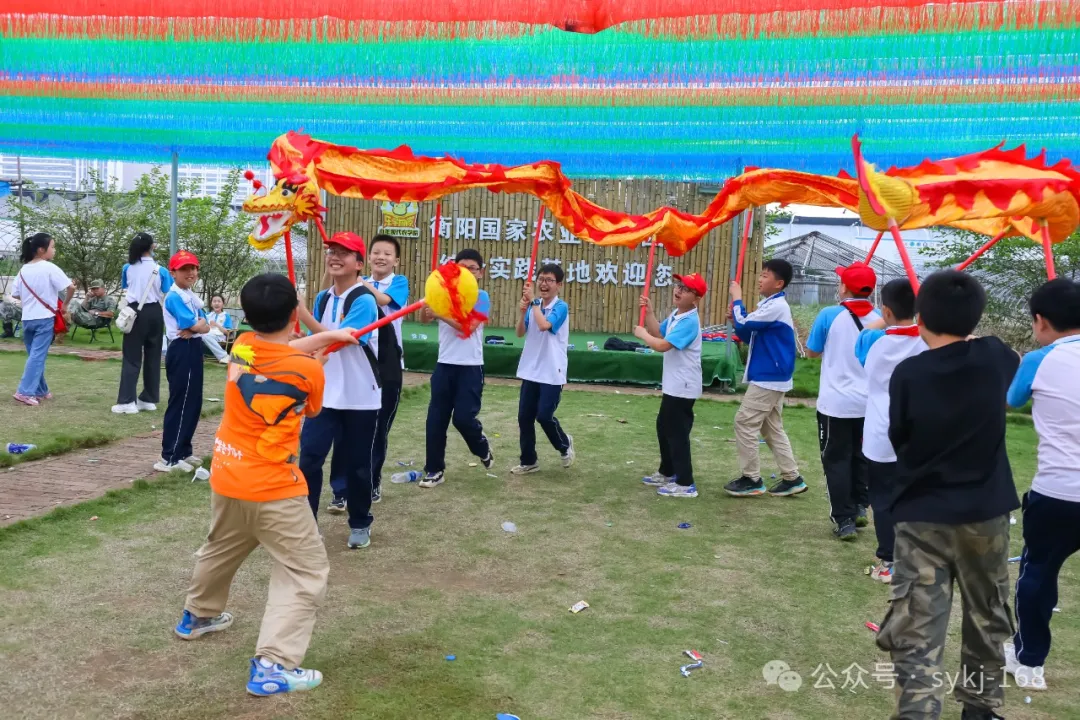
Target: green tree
{"points": [[1010, 271], [776, 215], [92, 227], [206, 226]]}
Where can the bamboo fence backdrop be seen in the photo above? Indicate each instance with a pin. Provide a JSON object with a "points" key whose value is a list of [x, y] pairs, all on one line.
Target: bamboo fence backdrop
{"points": [[598, 305]]}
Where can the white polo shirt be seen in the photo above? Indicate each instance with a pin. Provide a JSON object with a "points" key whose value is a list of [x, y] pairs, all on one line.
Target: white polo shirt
{"points": [[182, 309], [350, 381], [682, 364], [397, 287], [842, 391], [1051, 375], [45, 279], [134, 278], [543, 359], [880, 351], [456, 350]]}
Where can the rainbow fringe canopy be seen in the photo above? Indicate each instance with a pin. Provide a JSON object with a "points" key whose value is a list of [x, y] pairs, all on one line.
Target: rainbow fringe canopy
{"points": [[679, 89]]}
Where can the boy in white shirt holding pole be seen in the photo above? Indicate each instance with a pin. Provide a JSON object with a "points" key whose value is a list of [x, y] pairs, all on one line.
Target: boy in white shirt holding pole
{"points": [[679, 338], [457, 385], [880, 350], [841, 401], [1052, 506], [544, 323]]}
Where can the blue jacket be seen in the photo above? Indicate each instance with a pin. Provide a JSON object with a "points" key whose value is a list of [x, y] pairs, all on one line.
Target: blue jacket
{"points": [[771, 334]]}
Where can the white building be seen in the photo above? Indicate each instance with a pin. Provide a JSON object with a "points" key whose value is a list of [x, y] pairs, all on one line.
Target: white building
{"points": [[57, 173]]}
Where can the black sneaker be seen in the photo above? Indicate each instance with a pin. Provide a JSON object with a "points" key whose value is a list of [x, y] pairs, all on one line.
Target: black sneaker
{"points": [[745, 487], [846, 530], [489, 460], [861, 520], [970, 712], [336, 506], [432, 479], [376, 494], [786, 488]]}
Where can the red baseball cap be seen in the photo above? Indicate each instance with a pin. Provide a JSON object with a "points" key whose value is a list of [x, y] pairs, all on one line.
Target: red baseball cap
{"points": [[183, 259], [858, 277], [693, 282], [349, 241]]}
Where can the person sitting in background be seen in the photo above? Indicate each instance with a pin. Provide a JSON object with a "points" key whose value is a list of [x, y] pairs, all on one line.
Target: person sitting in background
{"points": [[221, 329], [10, 313], [96, 310]]}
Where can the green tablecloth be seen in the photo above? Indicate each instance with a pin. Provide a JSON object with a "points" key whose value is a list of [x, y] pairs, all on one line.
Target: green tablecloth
{"points": [[600, 366]]}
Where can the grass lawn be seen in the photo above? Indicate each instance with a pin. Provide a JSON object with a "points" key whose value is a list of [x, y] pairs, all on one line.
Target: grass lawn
{"points": [[87, 607], [79, 415]]}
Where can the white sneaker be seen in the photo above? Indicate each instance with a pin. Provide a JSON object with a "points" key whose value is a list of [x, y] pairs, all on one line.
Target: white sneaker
{"points": [[162, 466], [224, 360], [125, 409], [193, 461], [568, 458], [1028, 678], [525, 469], [148, 407], [658, 479]]}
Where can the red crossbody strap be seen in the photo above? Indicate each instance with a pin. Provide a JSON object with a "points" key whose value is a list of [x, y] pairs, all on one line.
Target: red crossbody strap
{"points": [[36, 296]]}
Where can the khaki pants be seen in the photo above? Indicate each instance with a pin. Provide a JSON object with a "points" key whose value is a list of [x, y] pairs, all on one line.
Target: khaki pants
{"points": [[930, 559], [761, 413], [287, 529]]}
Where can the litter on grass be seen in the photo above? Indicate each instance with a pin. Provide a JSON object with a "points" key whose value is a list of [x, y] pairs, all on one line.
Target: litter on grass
{"points": [[473, 464], [621, 420], [874, 627], [509, 527], [1014, 559], [684, 526], [94, 518], [491, 475], [451, 658], [578, 606]]}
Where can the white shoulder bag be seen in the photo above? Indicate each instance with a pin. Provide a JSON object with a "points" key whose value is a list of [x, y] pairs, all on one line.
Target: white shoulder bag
{"points": [[125, 319]]}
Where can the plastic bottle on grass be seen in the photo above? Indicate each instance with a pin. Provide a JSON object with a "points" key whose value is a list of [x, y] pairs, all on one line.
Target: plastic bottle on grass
{"points": [[406, 477], [19, 448]]}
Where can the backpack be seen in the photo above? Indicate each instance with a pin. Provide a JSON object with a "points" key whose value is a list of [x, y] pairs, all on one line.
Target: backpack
{"points": [[388, 363], [614, 343]]}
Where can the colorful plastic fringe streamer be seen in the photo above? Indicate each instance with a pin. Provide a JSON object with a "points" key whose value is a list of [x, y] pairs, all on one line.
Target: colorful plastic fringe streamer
{"points": [[675, 89]]}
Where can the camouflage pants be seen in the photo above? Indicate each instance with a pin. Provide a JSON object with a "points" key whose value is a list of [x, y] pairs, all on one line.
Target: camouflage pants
{"points": [[930, 557], [84, 319]]}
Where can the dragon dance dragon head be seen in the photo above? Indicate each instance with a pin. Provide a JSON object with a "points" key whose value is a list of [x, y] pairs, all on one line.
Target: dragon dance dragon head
{"points": [[989, 192], [292, 199]]}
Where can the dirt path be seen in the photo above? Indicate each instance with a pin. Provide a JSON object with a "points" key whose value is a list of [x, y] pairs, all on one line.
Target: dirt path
{"points": [[34, 488]]}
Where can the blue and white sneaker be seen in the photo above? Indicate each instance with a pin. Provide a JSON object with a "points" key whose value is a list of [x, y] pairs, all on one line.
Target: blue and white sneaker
{"points": [[269, 678], [657, 479], [359, 538], [191, 627], [676, 490]]}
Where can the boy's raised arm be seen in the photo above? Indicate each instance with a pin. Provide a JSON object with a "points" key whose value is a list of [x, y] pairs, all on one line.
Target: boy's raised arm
{"points": [[318, 341]]}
